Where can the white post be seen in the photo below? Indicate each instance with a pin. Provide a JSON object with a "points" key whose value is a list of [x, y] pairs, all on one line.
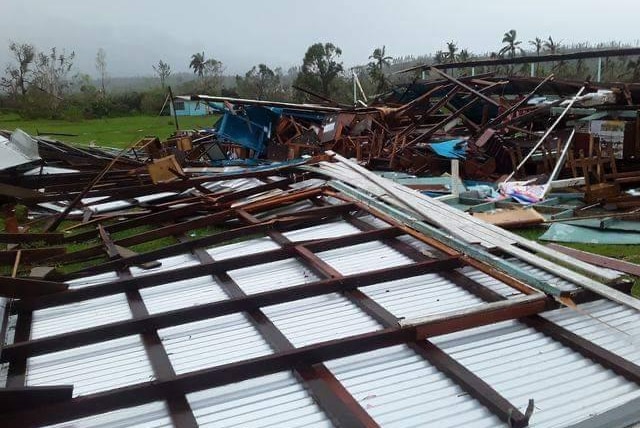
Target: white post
{"points": [[533, 69], [599, 70], [355, 94], [558, 167], [455, 177], [546, 134], [424, 74], [473, 71]]}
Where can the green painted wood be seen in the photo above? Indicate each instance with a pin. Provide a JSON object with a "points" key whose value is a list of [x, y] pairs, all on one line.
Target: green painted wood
{"points": [[563, 232], [458, 245]]}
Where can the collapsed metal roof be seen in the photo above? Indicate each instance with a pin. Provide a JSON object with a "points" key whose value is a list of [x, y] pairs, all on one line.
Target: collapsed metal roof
{"points": [[330, 298], [17, 150]]}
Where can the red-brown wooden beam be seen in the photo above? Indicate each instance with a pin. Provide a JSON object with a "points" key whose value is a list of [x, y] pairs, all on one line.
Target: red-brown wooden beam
{"points": [[261, 366], [163, 277], [25, 347], [330, 395], [588, 349], [21, 288], [306, 217], [471, 383]]}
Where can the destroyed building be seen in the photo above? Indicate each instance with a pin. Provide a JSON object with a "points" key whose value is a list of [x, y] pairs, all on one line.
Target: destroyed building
{"points": [[258, 273]]}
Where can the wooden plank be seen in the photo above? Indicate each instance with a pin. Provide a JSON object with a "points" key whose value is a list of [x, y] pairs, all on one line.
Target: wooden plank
{"points": [[436, 211], [20, 288], [511, 218], [598, 260], [31, 254], [465, 87], [164, 169], [21, 238], [15, 399]]}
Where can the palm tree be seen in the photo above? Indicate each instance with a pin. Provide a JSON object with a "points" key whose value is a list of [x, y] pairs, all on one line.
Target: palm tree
{"points": [[439, 57], [551, 46], [377, 66], [379, 57], [512, 45], [538, 44], [198, 63], [451, 55]]}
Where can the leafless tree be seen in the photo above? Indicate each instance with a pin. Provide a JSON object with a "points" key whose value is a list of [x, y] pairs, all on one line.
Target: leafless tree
{"points": [[163, 70], [101, 66], [16, 75], [213, 70], [51, 74]]}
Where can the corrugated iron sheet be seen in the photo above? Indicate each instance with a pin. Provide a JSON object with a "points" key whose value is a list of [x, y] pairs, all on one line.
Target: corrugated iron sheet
{"points": [[150, 415], [276, 400], [65, 318], [193, 291], [522, 364], [419, 295], [400, 389], [319, 319], [608, 324], [92, 368], [212, 342]]}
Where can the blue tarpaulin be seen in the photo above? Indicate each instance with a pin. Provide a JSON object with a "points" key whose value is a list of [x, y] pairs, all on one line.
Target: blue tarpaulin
{"points": [[451, 149]]}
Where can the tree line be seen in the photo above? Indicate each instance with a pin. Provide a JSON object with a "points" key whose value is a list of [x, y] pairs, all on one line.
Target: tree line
{"points": [[41, 83]]}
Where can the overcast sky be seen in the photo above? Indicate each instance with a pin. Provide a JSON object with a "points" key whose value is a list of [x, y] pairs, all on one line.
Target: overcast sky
{"points": [[137, 33]]}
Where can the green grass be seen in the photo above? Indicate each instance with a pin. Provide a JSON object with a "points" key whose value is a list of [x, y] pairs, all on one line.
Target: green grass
{"points": [[629, 253], [112, 132]]}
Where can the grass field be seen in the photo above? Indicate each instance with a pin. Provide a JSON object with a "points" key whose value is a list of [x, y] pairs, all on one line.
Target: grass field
{"points": [[113, 132]]}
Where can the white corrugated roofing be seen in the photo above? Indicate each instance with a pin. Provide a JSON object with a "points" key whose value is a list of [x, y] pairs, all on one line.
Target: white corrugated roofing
{"points": [[236, 249], [318, 319], [276, 400], [491, 283], [419, 295], [610, 325], [363, 257], [212, 342], [192, 291], [322, 231], [398, 388], [88, 281], [17, 150], [167, 263], [271, 276], [521, 363], [152, 415], [71, 317], [92, 368]]}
